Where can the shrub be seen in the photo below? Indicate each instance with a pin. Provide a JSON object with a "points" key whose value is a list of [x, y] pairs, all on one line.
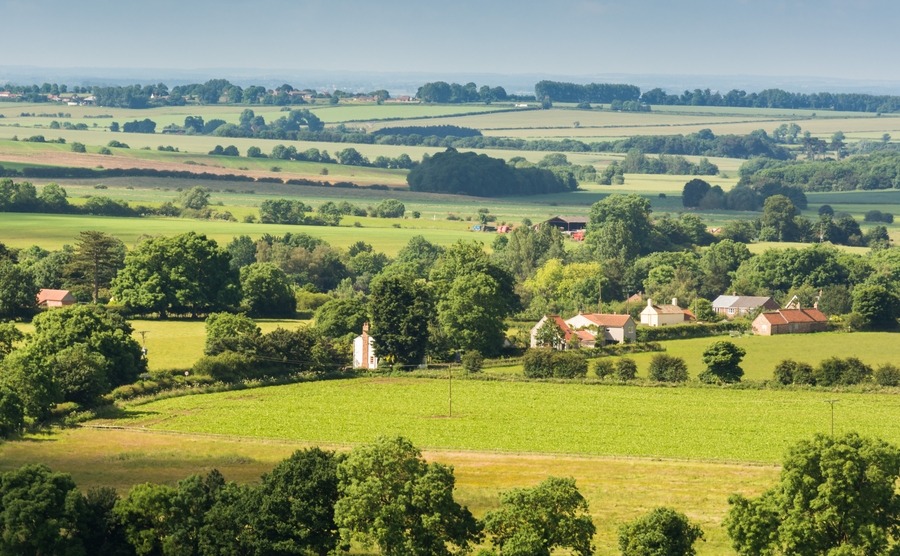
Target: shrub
{"points": [[794, 372], [227, 366], [78, 147], [661, 531], [887, 375], [569, 364], [538, 363], [604, 367], [472, 361], [668, 368], [626, 369], [836, 371]]}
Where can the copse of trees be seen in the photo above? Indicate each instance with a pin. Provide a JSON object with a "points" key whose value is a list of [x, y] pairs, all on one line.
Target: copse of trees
{"points": [[879, 170], [593, 92], [454, 93], [480, 175]]}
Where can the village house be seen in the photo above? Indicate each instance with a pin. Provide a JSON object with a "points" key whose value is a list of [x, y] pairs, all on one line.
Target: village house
{"points": [[589, 330], [731, 306], [789, 321], [664, 315], [616, 328], [48, 299], [364, 351]]}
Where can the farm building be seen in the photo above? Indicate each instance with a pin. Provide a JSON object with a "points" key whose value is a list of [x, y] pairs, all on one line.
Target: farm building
{"points": [[731, 306], [587, 328], [54, 298], [567, 223], [616, 328], [585, 338], [664, 315], [789, 321], [364, 351]]}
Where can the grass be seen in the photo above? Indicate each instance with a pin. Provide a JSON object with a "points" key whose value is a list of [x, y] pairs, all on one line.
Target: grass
{"points": [[716, 424]]}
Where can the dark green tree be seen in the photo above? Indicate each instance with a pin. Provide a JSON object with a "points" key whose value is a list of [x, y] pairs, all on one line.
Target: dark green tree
{"points": [[18, 292], [40, 512], [779, 220], [230, 332], [835, 496], [877, 305], [95, 262], [400, 308], [195, 198], [184, 274], [391, 497], [693, 192], [722, 361], [341, 316], [661, 532], [620, 228], [267, 291], [536, 521]]}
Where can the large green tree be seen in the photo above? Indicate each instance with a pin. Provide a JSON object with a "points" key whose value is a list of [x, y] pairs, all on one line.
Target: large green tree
{"points": [[391, 497], [835, 496], [40, 513], [536, 521], [183, 274], [620, 227], [18, 292], [400, 309], [267, 291], [95, 262]]}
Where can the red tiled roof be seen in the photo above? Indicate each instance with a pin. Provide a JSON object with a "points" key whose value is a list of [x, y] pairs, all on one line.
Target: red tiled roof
{"points": [[788, 316], [609, 321], [44, 296]]}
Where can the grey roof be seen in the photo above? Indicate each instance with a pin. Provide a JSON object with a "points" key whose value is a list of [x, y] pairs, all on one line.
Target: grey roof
{"points": [[740, 301]]}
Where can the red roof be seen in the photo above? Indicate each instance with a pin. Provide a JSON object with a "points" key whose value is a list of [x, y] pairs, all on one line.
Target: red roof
{"points": [[608, 321], [789, 316], [44, 296]]}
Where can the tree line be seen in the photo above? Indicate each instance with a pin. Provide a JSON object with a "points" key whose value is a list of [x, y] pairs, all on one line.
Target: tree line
{"points": [[834, 495], [880, 170]]}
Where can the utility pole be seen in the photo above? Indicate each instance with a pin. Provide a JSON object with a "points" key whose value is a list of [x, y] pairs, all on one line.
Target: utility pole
{"points": [[832, 402]]}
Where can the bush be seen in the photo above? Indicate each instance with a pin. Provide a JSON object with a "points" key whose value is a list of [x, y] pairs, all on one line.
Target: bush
{"points": [[662, 531], [538, 363], [472, 361], [227, 366], [78, 147], [626, 369], [887, 375], [604, 367], [794, 372], [668, 368], [569, 364], [835, 371]]}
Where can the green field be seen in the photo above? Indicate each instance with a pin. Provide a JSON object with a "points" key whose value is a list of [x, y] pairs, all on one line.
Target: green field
{"points": [[717, 424]]}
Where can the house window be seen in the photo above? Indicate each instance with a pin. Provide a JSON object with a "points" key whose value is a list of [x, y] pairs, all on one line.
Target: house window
{"points": [[731, 310]]}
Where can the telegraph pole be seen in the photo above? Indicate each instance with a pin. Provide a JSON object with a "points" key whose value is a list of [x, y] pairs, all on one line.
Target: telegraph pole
{"points": [[831, 403]]}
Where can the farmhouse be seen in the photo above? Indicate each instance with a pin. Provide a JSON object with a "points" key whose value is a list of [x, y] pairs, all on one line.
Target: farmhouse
{"points": [[789, 321], [663, 315], [54, 298], [588, 330], [364, 351], [730, 306], [585, 338], [615, 328]]}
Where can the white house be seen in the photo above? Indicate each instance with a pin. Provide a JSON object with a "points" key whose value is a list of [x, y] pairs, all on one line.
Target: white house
{"points": [[664, 315], [364, 351], [731, 306], [616, 328]]}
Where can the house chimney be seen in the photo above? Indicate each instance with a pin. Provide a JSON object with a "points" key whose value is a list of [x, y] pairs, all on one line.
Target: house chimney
{"points": [[675, 301], [649, 302], [365, 328]]}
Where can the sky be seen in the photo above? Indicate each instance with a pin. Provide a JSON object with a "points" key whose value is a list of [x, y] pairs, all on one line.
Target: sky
{"points": [[836, 39]]}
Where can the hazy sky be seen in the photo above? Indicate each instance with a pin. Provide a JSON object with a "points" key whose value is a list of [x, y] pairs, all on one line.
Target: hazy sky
{"points": [[853, 39]]}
